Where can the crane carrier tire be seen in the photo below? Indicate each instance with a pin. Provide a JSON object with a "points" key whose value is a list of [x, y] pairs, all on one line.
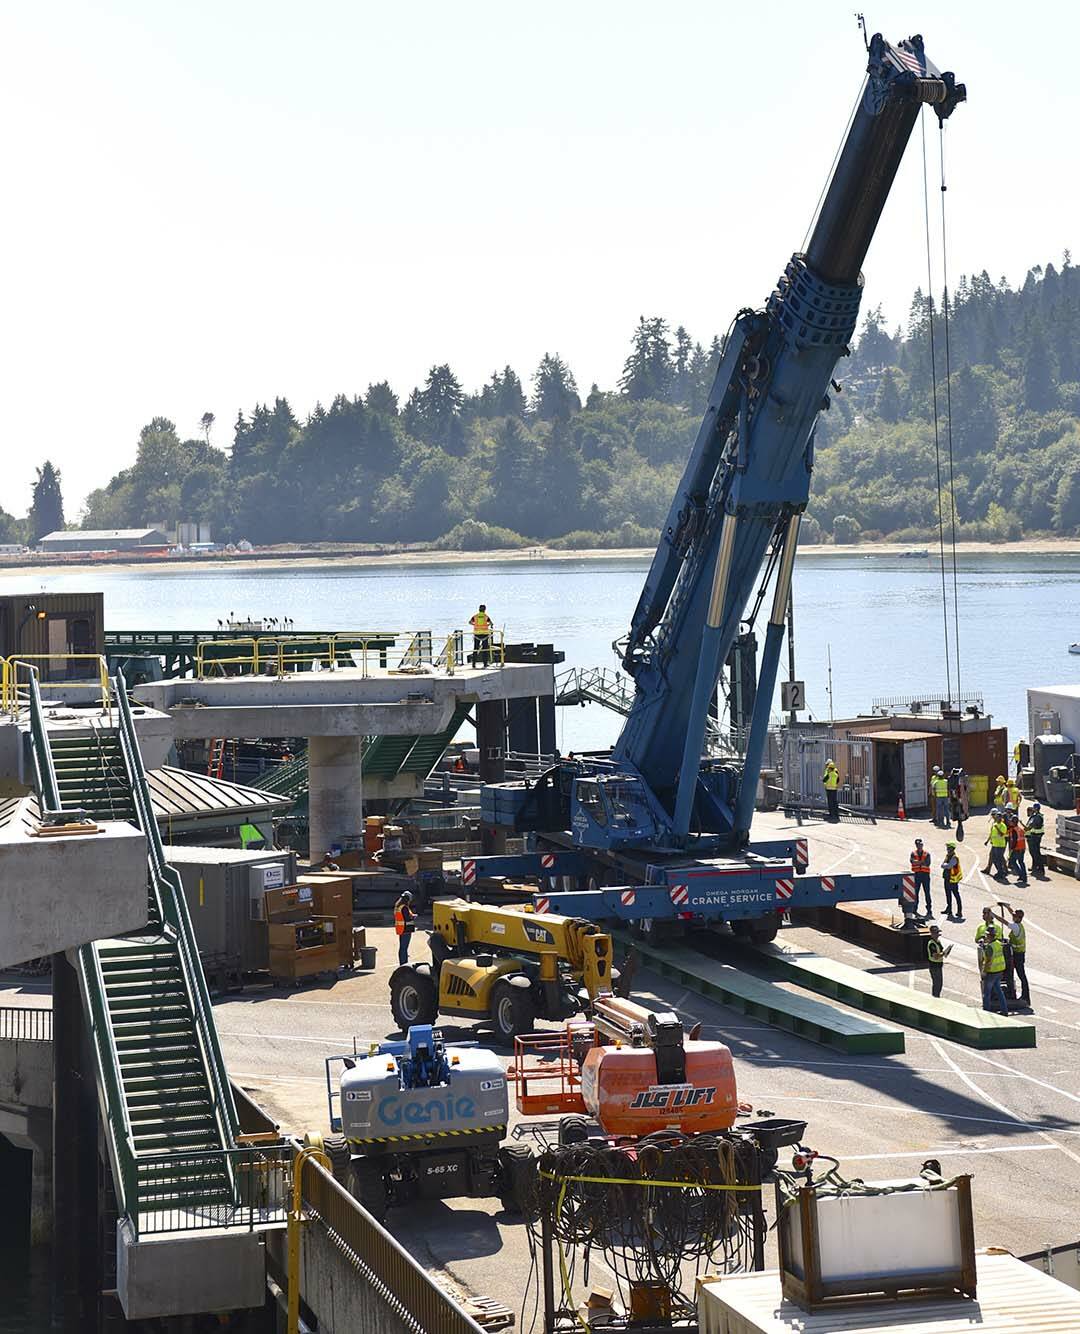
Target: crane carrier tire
{"points": [[413, 997], [756, 930], [513, 1009]]}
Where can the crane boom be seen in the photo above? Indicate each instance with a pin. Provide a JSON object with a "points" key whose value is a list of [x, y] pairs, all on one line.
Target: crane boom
{"points": [[655, 817]]}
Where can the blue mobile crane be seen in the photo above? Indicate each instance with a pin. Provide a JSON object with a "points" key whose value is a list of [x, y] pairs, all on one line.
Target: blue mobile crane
{"points": [[654, 830]]}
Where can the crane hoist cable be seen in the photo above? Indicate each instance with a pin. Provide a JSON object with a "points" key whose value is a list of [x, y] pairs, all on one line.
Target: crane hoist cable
{"points": [[934, 391], [948, 410]]}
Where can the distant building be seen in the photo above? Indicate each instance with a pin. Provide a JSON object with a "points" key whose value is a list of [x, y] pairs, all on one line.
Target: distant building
{"points": [[103, 539]]}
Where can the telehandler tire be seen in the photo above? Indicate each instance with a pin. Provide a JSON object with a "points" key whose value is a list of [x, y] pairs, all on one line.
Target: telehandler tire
{"points": [[513, 1010], [413, 998]]}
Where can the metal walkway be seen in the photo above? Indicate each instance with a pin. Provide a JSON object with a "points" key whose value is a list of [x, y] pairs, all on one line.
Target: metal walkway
{"points": [[612, 690]]}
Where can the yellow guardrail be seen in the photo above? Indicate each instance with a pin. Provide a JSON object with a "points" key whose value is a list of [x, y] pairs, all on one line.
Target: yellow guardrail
{"points": [[13, 694], [272, 655]]}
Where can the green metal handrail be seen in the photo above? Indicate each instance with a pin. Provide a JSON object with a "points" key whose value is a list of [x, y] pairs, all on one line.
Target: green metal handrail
{"points": [[175, 914], [107, 1059], [48, 789]]}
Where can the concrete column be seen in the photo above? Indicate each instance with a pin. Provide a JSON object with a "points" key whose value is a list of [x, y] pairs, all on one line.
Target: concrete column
{"points": [[521, 725], [491, 743], [335, 792]]}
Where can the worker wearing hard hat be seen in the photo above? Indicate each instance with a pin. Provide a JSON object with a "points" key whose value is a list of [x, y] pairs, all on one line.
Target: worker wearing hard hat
{"points": [[1001, 790], [831, 781], [953, 874], [1017, 962], [935, 954], [404, 919], [939, 790], [993, 970], [920, 869], [1018, 751], [998, 839], [1035, 830]]}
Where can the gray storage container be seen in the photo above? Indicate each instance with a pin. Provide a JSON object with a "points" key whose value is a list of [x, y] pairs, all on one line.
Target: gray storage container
{"points": [[224, 888]]}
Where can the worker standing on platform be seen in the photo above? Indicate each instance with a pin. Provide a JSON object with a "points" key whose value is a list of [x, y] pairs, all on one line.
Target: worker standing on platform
{"points": [[998, 839], [939, 790], [920, 869], [953, 874], [935, 953], [993, 969], [1017, 848], [1035, 830], [481, 631], [831, 780], [1018, 954], [404, 919]]}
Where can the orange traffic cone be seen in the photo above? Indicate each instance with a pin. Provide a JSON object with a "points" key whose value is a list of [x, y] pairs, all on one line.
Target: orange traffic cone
{"points": [[900, 813]]}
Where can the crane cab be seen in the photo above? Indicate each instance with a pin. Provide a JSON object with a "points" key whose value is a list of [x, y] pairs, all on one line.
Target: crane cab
{"points": [[611, 810]]}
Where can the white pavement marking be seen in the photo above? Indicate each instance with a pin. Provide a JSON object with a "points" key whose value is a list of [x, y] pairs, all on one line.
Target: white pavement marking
{"points": [[284, 1037], [850, 853], [1015, 1123], [945, 1153], [1000, 1106], [1031, 1079], [1031, 926]]}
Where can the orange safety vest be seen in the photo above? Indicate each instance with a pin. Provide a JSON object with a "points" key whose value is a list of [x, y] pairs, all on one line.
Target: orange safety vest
{"points": [[399, 919], [920, 861], [1016, 837], [481, 623]]}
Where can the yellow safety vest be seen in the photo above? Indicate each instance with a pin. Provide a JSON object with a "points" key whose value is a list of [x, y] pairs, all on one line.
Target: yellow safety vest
{"points": [[935, 951], [999, 834], [1019, 939], [956, 873], [481, 623], [996, 962], [831, 779], [939, 785], [980, 931]]}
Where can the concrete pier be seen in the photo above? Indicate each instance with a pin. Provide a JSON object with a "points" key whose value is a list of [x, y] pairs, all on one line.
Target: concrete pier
{"points": [[335, 792]]}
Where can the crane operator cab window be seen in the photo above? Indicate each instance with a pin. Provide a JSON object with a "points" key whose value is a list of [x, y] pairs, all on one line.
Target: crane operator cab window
{"points": [[617, 805]]}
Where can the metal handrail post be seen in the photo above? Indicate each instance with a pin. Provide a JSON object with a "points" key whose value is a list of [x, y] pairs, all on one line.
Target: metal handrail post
{"points": [[296, 1220]]}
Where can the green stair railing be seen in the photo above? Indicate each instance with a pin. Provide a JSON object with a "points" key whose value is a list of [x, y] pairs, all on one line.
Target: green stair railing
{"points": [[173, 906], [150, 1019]]}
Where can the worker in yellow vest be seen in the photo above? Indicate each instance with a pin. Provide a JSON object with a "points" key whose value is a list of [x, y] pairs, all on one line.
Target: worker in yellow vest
{"points": [[481, 641], [404, 919], [935, 955], [993, 970], [939, 790], [998, 838], [831, 781], [1018, 954], [1001, 790], [952, 873]]}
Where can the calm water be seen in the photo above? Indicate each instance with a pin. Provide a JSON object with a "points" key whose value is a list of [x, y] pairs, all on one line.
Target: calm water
{"points": [[881, 617]]}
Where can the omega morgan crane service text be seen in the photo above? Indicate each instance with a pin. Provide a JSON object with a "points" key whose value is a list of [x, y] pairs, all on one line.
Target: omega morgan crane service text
{"points": [[656, 832]]}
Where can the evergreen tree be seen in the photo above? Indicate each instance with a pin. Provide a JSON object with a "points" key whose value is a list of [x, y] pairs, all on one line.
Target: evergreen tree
{"points": [[888, 405], [555, 395], [381, 398], [1039, 388], [47, 504], [648, 371]]}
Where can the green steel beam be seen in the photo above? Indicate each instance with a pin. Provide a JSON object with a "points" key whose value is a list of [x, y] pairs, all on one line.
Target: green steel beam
{"points": [[867, 991], [765, 1000]]}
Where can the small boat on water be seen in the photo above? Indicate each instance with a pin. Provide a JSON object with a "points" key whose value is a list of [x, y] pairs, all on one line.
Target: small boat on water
{"points": [[1074, 648], [915, 555]]}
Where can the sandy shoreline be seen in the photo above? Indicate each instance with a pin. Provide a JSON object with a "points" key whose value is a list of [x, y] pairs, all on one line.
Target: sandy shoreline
{"points": [[270, 560]]}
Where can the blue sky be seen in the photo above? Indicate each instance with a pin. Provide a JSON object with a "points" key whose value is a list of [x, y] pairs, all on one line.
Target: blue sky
{"points": [[208, 204]]}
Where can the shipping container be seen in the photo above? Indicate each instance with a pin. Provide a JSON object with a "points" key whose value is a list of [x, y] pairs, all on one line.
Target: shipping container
{"points": [[46, 628]]}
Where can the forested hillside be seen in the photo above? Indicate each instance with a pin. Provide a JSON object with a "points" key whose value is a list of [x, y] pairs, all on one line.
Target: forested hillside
{"points": [[519, 461]]}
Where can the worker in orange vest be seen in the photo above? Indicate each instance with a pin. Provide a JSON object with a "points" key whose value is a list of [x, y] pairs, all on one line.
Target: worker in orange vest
{"points": [[404, 917], [920, 869]]}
